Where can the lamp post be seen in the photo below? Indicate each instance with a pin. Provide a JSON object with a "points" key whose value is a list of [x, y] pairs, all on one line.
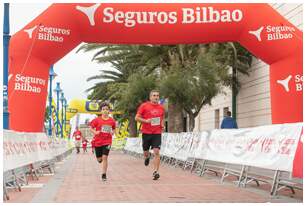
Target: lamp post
{"points": [[57, 90], [52, 75], [6, 40], [62, 102], [234, 80], [65, 106]]}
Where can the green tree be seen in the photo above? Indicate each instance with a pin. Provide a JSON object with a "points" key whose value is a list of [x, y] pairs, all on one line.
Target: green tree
{"points": [[198, 73], [136, 92], [190, 75], [125, 87]]}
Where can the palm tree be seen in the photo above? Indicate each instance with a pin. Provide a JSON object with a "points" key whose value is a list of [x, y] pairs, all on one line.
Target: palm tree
{"points": [[190, 75], [198, 73], [235, 57], [117, 85]]}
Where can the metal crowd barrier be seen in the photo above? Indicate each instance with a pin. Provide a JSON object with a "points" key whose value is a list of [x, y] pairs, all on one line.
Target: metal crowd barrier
{"points": [[244, 174], [285, 180], [14, 179], [259, 175], [278, 180], [18, 177], [212, 166], [11, 181], [235, 170]]}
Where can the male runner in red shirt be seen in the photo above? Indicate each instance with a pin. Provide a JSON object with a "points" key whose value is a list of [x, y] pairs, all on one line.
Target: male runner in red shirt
{"points": [[151, 115], [103, 128]]}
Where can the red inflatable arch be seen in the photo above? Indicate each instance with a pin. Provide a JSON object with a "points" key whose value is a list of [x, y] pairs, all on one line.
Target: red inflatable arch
{"points": [[62, 27]]}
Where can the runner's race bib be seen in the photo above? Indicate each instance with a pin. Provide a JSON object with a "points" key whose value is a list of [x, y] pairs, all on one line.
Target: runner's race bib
{"points": [[106, 129], [155, 121]]}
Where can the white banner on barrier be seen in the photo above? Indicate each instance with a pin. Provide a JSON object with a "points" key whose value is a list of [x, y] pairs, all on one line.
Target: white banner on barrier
{"points": [[20, 148], [270, 147], [182, 145], [199, 146], [133, 145]]}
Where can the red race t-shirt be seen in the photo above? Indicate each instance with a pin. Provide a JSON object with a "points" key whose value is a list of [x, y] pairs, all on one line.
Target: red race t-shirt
{"points": [[105, 127], [152, 111], [77, 135], [84, 143]]}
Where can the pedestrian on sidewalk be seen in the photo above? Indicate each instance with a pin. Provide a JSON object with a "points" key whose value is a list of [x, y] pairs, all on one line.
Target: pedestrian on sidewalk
{"points": [[77, 134], [84, 145], [103, 128], [229, 122], [151, 115]]}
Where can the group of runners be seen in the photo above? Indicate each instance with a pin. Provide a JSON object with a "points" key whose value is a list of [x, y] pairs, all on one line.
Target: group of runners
{"points": [[151, 116]]}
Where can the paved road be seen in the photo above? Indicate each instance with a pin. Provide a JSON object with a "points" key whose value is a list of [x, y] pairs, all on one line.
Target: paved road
{"points": [[79, 180]]}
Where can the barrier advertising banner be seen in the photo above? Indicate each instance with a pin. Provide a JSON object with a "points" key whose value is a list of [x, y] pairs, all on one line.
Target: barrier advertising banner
{"points": [[271, 147], [21, 149]]}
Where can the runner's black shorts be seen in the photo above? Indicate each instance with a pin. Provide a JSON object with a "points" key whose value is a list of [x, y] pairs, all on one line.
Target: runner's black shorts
{"points": [[102, 150], [151, 140]]}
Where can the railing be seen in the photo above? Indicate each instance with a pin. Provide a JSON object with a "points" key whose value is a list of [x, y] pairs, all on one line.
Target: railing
{"points": [[260, 154], [30, 155]]}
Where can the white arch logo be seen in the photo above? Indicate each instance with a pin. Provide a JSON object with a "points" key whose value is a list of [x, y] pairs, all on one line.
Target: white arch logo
{"points": [[285, 83], [89, 12], [30, 31], [257, 33], [9, 77]]}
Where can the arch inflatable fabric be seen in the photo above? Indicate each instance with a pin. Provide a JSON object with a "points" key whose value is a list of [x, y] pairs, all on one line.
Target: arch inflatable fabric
{"points": [[76, 106], [85, 106], [60, 28]]}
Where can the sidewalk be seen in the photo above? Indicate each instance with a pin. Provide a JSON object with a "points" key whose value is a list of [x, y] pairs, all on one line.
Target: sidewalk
{"points": [[79, 180]]}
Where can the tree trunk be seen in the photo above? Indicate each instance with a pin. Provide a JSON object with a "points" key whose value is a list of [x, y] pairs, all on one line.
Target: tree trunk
{"points": [[175, 118], [191, 122], [132, 126]]}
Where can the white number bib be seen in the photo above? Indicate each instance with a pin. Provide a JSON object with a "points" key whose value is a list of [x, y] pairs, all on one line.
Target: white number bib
{"points": [[155, 121], [106, 129]]}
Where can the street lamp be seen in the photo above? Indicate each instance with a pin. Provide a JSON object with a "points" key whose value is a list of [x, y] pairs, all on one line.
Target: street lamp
{"points": [[57, 90], [52, 75], [234, 80], [65, 106], [6, 40], [62, 102]]}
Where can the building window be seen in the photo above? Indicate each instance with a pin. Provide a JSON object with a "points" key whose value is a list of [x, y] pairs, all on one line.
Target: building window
{"points": [[225, 110], [217, 118]]}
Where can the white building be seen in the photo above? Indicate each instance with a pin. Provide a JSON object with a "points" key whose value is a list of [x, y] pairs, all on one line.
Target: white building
{"points": [[253, 100]]}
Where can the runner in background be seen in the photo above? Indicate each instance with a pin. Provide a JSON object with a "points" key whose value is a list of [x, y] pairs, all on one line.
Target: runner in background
{"points": [[84, 145], [77, 134]]}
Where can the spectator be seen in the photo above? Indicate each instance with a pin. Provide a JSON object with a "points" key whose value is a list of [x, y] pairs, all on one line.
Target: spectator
{"points": [[228, 122]]}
